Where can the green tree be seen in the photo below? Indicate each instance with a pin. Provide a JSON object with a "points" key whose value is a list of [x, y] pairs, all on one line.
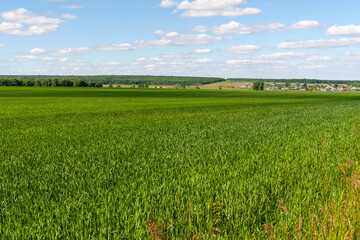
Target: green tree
{"points": [[54, 82], [66, 83], [46, 83], [305, 86], [37, 83], [258, 86]]}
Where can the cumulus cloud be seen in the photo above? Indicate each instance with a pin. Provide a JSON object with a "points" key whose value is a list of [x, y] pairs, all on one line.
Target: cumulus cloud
{"points": [[168, 3], [24, 58], [37, 51], [350, 56], [204, 60], [210, 8], [69, 16], [70, 51], [175, 58], [2, 45], [279, 57], [343, 30], [321, 43], [116, 47], [26, 23], [309, 67], [305, 24], [164, 39], [177, 39], [61, 52], [72, 6], [243, 49], [283, 56], [348, 53], [159, 32], [205, 50], [27, 58], [234, 27], [320, 58]]}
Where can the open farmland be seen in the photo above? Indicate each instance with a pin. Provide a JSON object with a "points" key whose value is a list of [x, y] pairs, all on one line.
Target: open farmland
{"points": [[178, 164]]}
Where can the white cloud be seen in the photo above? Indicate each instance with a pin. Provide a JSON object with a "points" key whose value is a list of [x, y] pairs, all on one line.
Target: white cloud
{"points": [[25, 58], [343, 30], [37, 51], [69, 16], [47, 59], [190, 39], [204, 60], [226, 13], [350, 57], [275, 58], [243, 49], [210, 8], [168, 3], [150, 66], [321, 43], [178, 39], [26, 23], [41, 60], [283, 56], [348, 53], [10, 28], [234, 27], [115, 47], [205, 50], [2, 45], [72, 6], [24, 16], [306, 24], [71, 51], [176, 56], [113, 63], [159, 32], [200, 29], [320, 58], [209, 4], [166, 39], [171, 57], [309, 67]]}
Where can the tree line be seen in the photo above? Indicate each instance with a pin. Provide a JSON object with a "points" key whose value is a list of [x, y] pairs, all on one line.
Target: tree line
{"points": [[48, 83], [123, 80], [142, 81]]}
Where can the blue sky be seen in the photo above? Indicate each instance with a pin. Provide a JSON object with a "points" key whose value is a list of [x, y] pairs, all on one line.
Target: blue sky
{"points": [[227, 38]]}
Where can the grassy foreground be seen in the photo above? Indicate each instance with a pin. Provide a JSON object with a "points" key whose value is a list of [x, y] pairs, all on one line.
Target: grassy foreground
{"points": [[178, 164]]}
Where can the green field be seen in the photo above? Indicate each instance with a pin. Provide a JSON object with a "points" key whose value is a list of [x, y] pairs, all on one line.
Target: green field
{"points": [[178, 164]]}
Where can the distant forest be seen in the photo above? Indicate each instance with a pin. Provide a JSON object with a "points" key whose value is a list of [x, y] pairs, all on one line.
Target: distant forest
{"points": [[99, 81], [96, 81]]}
